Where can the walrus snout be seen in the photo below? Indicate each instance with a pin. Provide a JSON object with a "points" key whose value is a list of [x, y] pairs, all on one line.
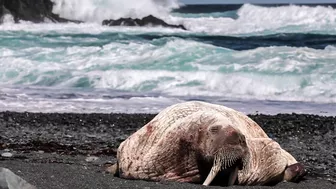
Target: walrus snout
{"points": [[294, 172], [225, 169], [232, 153]]}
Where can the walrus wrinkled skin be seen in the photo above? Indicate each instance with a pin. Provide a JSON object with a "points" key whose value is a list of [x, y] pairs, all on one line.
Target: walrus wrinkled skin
{"points": [[198, 142]]}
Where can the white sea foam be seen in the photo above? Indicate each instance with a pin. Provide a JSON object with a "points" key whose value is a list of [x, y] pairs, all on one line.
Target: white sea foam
{"points": [[32, 100], [84, 28], [93, 105]]}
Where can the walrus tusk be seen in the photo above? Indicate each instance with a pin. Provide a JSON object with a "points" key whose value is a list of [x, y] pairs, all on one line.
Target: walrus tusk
{"points": [[214, 171], [233, 176]]}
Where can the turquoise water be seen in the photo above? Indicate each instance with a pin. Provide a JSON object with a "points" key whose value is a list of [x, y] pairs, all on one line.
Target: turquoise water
{"points": [[269, 64]]}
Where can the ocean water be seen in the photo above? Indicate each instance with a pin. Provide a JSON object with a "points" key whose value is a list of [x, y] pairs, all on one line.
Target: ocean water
{"points": [[254, 58]]}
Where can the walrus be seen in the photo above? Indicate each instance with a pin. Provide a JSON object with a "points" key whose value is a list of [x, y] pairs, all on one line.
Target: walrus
{"points": [[199, 142]]}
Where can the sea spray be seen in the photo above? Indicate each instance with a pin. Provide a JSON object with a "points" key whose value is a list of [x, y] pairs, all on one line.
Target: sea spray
{"points": [[7, 19], [98, 10], [257, 20], [292, 15]]}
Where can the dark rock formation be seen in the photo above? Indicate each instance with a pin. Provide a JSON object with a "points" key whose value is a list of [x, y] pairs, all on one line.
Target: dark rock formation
{"points": [[148, 20], [30, 10]]}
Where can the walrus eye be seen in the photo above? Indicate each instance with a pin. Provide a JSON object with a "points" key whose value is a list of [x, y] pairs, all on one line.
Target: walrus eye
{"points": [[242, 139], [214, 129]]}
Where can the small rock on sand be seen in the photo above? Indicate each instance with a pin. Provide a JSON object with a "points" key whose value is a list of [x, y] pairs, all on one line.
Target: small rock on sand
{"points": [[9, 180], [7, 154], [91, 159]]}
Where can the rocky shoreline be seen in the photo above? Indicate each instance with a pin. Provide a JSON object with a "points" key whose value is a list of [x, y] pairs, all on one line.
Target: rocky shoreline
{"points": [[69, 147], [36, 11], [40, 11]]}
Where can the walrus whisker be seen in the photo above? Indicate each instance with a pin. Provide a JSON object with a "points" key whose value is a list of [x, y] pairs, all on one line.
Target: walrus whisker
{"points": [[222, 161]]}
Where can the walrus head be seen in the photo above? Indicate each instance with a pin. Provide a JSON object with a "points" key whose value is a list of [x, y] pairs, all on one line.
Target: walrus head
{"points": [[228, 151]]}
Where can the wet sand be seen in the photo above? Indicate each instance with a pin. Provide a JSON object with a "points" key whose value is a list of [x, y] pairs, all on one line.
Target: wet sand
{"points": [[51, 150]]}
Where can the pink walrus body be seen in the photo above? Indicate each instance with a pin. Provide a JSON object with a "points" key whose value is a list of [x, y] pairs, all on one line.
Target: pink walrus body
{"points": [[198, 142]]}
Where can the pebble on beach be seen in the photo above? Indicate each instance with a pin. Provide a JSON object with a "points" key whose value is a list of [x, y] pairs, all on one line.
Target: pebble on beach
{"points": [[7, 155]]}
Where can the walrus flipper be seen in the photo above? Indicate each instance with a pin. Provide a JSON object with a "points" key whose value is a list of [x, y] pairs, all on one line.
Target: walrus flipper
{"points": [[113, 169]]}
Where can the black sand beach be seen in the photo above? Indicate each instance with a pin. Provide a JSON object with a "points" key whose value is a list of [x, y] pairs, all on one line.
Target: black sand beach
{"points": [[51, 150]]}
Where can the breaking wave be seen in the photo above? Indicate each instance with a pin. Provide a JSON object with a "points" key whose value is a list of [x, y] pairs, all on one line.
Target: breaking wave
{"points": [[182, 67], [98, 10]]}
